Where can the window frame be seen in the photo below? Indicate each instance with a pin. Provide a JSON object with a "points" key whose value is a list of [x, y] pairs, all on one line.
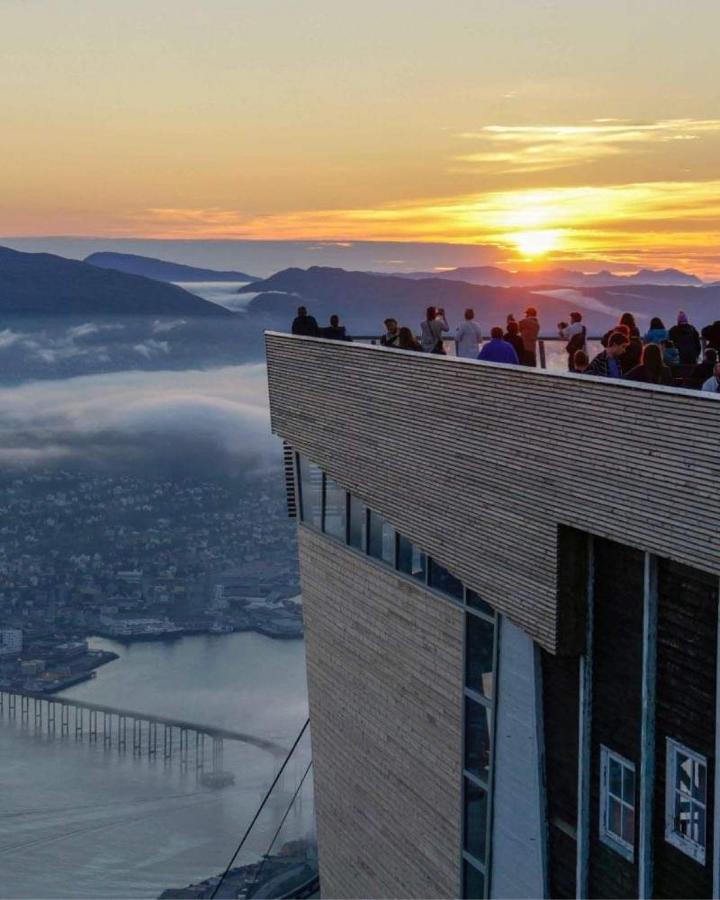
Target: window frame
{"points": [[681, 842], [608, 837]]}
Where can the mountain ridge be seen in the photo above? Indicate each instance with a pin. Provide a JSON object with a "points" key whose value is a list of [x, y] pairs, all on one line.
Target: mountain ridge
{"points": [[45, 284], [160, 269]]}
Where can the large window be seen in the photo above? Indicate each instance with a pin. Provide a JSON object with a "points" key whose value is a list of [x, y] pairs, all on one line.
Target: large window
{"points": [[480, 666], [617, 803], [686, 800], [311, 489], [442, 580], [381, 540], [358, 524], [411, 559], [335, 510]]}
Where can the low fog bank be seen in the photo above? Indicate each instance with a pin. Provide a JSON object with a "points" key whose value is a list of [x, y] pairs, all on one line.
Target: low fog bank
{"points": [[177, 423]]}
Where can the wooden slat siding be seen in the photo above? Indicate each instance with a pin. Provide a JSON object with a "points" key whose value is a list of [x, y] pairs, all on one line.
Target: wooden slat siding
{"points": [[616, 699], [479, 463], [685, 710], [561, 699], [385, 681]]}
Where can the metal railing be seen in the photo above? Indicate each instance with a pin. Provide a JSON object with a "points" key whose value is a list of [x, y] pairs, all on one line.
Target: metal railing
{"points": [[551, 353]]}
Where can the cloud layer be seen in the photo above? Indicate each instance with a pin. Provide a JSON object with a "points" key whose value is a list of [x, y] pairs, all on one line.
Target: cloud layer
{"points": [[160, 421]]}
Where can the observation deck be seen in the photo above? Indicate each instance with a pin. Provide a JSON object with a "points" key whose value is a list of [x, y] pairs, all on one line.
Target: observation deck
{"points": [[485, 466]]}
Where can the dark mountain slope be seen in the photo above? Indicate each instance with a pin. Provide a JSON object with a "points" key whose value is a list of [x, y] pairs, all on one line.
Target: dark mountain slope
{"points": [[159, 269], [40, 283]]}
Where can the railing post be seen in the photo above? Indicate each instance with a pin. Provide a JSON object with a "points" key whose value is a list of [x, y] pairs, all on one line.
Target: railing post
{"points": [[541, 348]]}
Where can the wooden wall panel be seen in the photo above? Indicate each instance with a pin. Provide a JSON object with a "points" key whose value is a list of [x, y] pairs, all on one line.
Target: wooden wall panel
{"points": [[385, 681], [479, 464]]}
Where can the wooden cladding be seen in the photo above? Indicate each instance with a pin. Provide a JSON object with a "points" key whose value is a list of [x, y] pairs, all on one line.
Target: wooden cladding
{"points": [[479, 464]]}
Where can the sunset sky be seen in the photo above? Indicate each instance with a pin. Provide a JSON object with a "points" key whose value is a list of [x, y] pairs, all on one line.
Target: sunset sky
{"points": [[554, 130]]}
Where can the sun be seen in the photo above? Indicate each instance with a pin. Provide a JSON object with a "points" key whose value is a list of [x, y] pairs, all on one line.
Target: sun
{"points": [[535, 243]]}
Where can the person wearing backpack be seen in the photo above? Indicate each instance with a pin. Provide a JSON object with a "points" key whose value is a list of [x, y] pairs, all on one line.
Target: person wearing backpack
{"points": [[575, 334]]}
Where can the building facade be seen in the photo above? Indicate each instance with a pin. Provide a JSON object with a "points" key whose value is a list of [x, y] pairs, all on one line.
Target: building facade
{"points": [[11, 642], [510, 582]]}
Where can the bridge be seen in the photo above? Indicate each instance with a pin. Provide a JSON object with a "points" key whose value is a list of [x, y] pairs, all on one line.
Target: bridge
{"points": [[146, 735]]}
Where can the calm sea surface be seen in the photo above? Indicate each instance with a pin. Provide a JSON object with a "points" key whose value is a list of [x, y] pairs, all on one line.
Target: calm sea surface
{"points": [[79, 821]]}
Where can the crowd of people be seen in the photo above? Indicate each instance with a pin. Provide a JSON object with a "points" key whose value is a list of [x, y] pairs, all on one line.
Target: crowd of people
{"points": [[679, 355]]}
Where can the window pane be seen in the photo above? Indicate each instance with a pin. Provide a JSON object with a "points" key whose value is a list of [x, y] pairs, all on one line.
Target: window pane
{"points": [[443, 581], [684, 773], [310, 492], [698, 787], [475, 820], [335, 497], [628, 791], [682, 815], [615, 777], [474, 887], [615, 816], [474, 600], [382, 539], [698, 832], [411, 559], [477, 738], [628, 825], [479, 655], [358, 523]]}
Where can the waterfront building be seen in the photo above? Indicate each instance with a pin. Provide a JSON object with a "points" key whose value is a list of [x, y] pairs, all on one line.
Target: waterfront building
{"points": [[510, 588], [11, 641]]}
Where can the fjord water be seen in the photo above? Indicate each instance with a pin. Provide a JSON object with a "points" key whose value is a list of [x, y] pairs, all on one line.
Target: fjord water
{"points": [[77, 820]]}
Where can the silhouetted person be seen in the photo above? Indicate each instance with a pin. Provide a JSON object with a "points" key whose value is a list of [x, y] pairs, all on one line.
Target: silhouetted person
{"points": [[512, 336], [686, 339], [305, 324], [431, 330], [711, 334], [633, 352], [607, 363], [652, 369], [628, 319], [529, 331], [335, 331], [575, 334], [703, 370], [580, 362], [468, 337], [657, 333], [407, 340], [497, 350], [392, 335]]}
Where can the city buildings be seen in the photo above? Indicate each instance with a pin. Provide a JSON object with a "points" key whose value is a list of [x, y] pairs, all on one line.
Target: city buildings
{"points": [[510, 587]]}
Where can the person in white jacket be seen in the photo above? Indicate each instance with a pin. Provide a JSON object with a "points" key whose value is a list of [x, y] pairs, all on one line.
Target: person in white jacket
{"points": [[468, 336], [712, 385]]}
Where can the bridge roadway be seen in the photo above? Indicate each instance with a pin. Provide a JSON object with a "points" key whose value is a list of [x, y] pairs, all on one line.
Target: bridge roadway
{"points": [[8, 697]]}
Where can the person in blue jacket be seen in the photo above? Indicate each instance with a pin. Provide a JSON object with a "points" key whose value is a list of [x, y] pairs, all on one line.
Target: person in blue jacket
{"points": [[497, 350], [657, 333]]}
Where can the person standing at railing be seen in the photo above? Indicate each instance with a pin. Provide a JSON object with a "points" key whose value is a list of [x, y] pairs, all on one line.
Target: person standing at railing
{"points": [[432, 329], [657, 333], [703, 370], [711, 335], [607, 363], [468, 337], [304, 324], [512, 336], [653, 369], [687, 340], [575, 335], [497, 350], [529, 331], [712, 385], [391, 336], [407, 340], [335, 331]]}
